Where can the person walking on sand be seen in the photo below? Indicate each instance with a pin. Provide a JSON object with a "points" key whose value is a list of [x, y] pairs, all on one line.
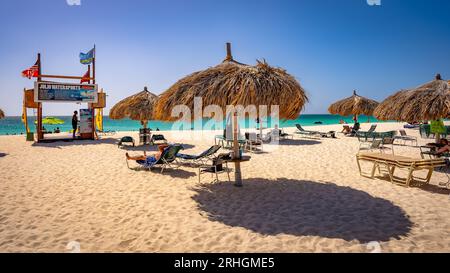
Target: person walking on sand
{"points": [[74, 123]]}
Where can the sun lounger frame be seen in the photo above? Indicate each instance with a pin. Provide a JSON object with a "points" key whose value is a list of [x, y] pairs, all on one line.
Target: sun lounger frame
{"points": [[392, 162]]}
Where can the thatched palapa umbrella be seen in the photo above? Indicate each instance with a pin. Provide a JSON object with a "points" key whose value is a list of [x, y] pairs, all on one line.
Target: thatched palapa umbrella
{"points": [[430, 101], [136, 107], [354, 105], [2, 114], [234, 83]]}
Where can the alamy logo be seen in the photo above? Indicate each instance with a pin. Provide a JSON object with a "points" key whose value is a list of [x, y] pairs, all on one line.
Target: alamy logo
{"points": [[73, 2], [374, 2]]}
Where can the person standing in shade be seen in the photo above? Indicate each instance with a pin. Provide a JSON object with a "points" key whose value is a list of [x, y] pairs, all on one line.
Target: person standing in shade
{"points": [[75, 123]]}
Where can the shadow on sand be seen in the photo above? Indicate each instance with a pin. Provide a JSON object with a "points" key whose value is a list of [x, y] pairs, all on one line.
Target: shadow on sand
{"points": [[299, 142], [3, 154], [71, 142], [303, 208], [172, 172]]}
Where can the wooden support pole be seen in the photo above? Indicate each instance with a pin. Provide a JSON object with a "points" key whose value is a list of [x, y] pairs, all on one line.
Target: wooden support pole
{"points": [[229, 55], [237, 164]]}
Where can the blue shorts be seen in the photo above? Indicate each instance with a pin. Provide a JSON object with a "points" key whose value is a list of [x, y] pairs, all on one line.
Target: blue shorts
{"points": [[150, 160]]}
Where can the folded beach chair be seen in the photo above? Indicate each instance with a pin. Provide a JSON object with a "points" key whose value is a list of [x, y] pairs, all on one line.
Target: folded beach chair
{"points": [[201, 158], [304, 132], [391, 163], [168, 157], [158, 138]]}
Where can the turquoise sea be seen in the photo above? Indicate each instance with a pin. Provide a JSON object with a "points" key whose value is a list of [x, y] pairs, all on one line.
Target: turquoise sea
{"points": [[14, 125]]}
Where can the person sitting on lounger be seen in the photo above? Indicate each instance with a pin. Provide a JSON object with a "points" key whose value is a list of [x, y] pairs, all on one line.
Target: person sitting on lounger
{"points": [[444, 147], [346, 129], [148, 159]]}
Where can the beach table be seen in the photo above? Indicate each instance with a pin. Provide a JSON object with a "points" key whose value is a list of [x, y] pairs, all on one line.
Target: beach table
{"points": [[237, 169]]}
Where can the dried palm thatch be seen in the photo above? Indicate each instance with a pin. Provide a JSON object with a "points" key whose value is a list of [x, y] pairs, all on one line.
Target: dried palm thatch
{"points": [[137, 107], [430, 101], [234, 83], [354, 105], [2, 114]]}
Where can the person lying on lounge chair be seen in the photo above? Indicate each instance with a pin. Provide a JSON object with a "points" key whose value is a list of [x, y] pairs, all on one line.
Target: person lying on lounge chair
{"points": [[346, 129], [149, 159], [445, 148]]}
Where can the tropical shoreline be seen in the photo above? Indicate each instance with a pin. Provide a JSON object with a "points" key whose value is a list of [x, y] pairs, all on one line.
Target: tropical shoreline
{"points": [[14, 125], [305, 195]]}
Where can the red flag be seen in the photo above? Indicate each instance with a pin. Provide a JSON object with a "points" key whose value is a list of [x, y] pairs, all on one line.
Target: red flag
{"points": [[86, 77], [32, 72]]}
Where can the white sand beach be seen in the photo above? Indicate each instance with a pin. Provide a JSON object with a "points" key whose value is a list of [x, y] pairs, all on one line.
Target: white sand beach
{"points": [[305, 196]]}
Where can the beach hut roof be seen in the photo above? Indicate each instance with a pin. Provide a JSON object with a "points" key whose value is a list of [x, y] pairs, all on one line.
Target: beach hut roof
{"points": [[354, 105], [135, 107], [430, 101], [234, 83], [2, 114]]}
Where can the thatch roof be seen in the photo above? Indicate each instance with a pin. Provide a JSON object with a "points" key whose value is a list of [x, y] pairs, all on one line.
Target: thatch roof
{"points": [[136, 107], [430, 101], [234, 83], [354, 105], [2, 114]]}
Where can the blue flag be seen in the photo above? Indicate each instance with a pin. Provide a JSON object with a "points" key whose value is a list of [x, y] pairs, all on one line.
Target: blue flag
{"points": [[87, 58]]}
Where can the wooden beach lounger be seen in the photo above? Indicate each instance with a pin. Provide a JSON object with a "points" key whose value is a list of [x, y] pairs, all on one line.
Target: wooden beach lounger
{"points": [[393, 162]]}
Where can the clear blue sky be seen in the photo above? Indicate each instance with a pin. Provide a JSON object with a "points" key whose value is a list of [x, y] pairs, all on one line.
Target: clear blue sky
{"points": [[330, 46]]}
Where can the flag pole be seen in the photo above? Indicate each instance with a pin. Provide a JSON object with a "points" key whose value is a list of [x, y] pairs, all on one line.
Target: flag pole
{"points": [[93, 66], [39, 112], [89, 72]]}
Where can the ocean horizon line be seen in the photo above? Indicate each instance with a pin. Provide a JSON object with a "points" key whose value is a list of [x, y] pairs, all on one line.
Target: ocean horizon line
{"points": [[13, 124]]}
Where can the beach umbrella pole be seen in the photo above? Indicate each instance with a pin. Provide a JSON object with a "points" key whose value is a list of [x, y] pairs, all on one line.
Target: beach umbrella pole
{"points": [[237, 164]]}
